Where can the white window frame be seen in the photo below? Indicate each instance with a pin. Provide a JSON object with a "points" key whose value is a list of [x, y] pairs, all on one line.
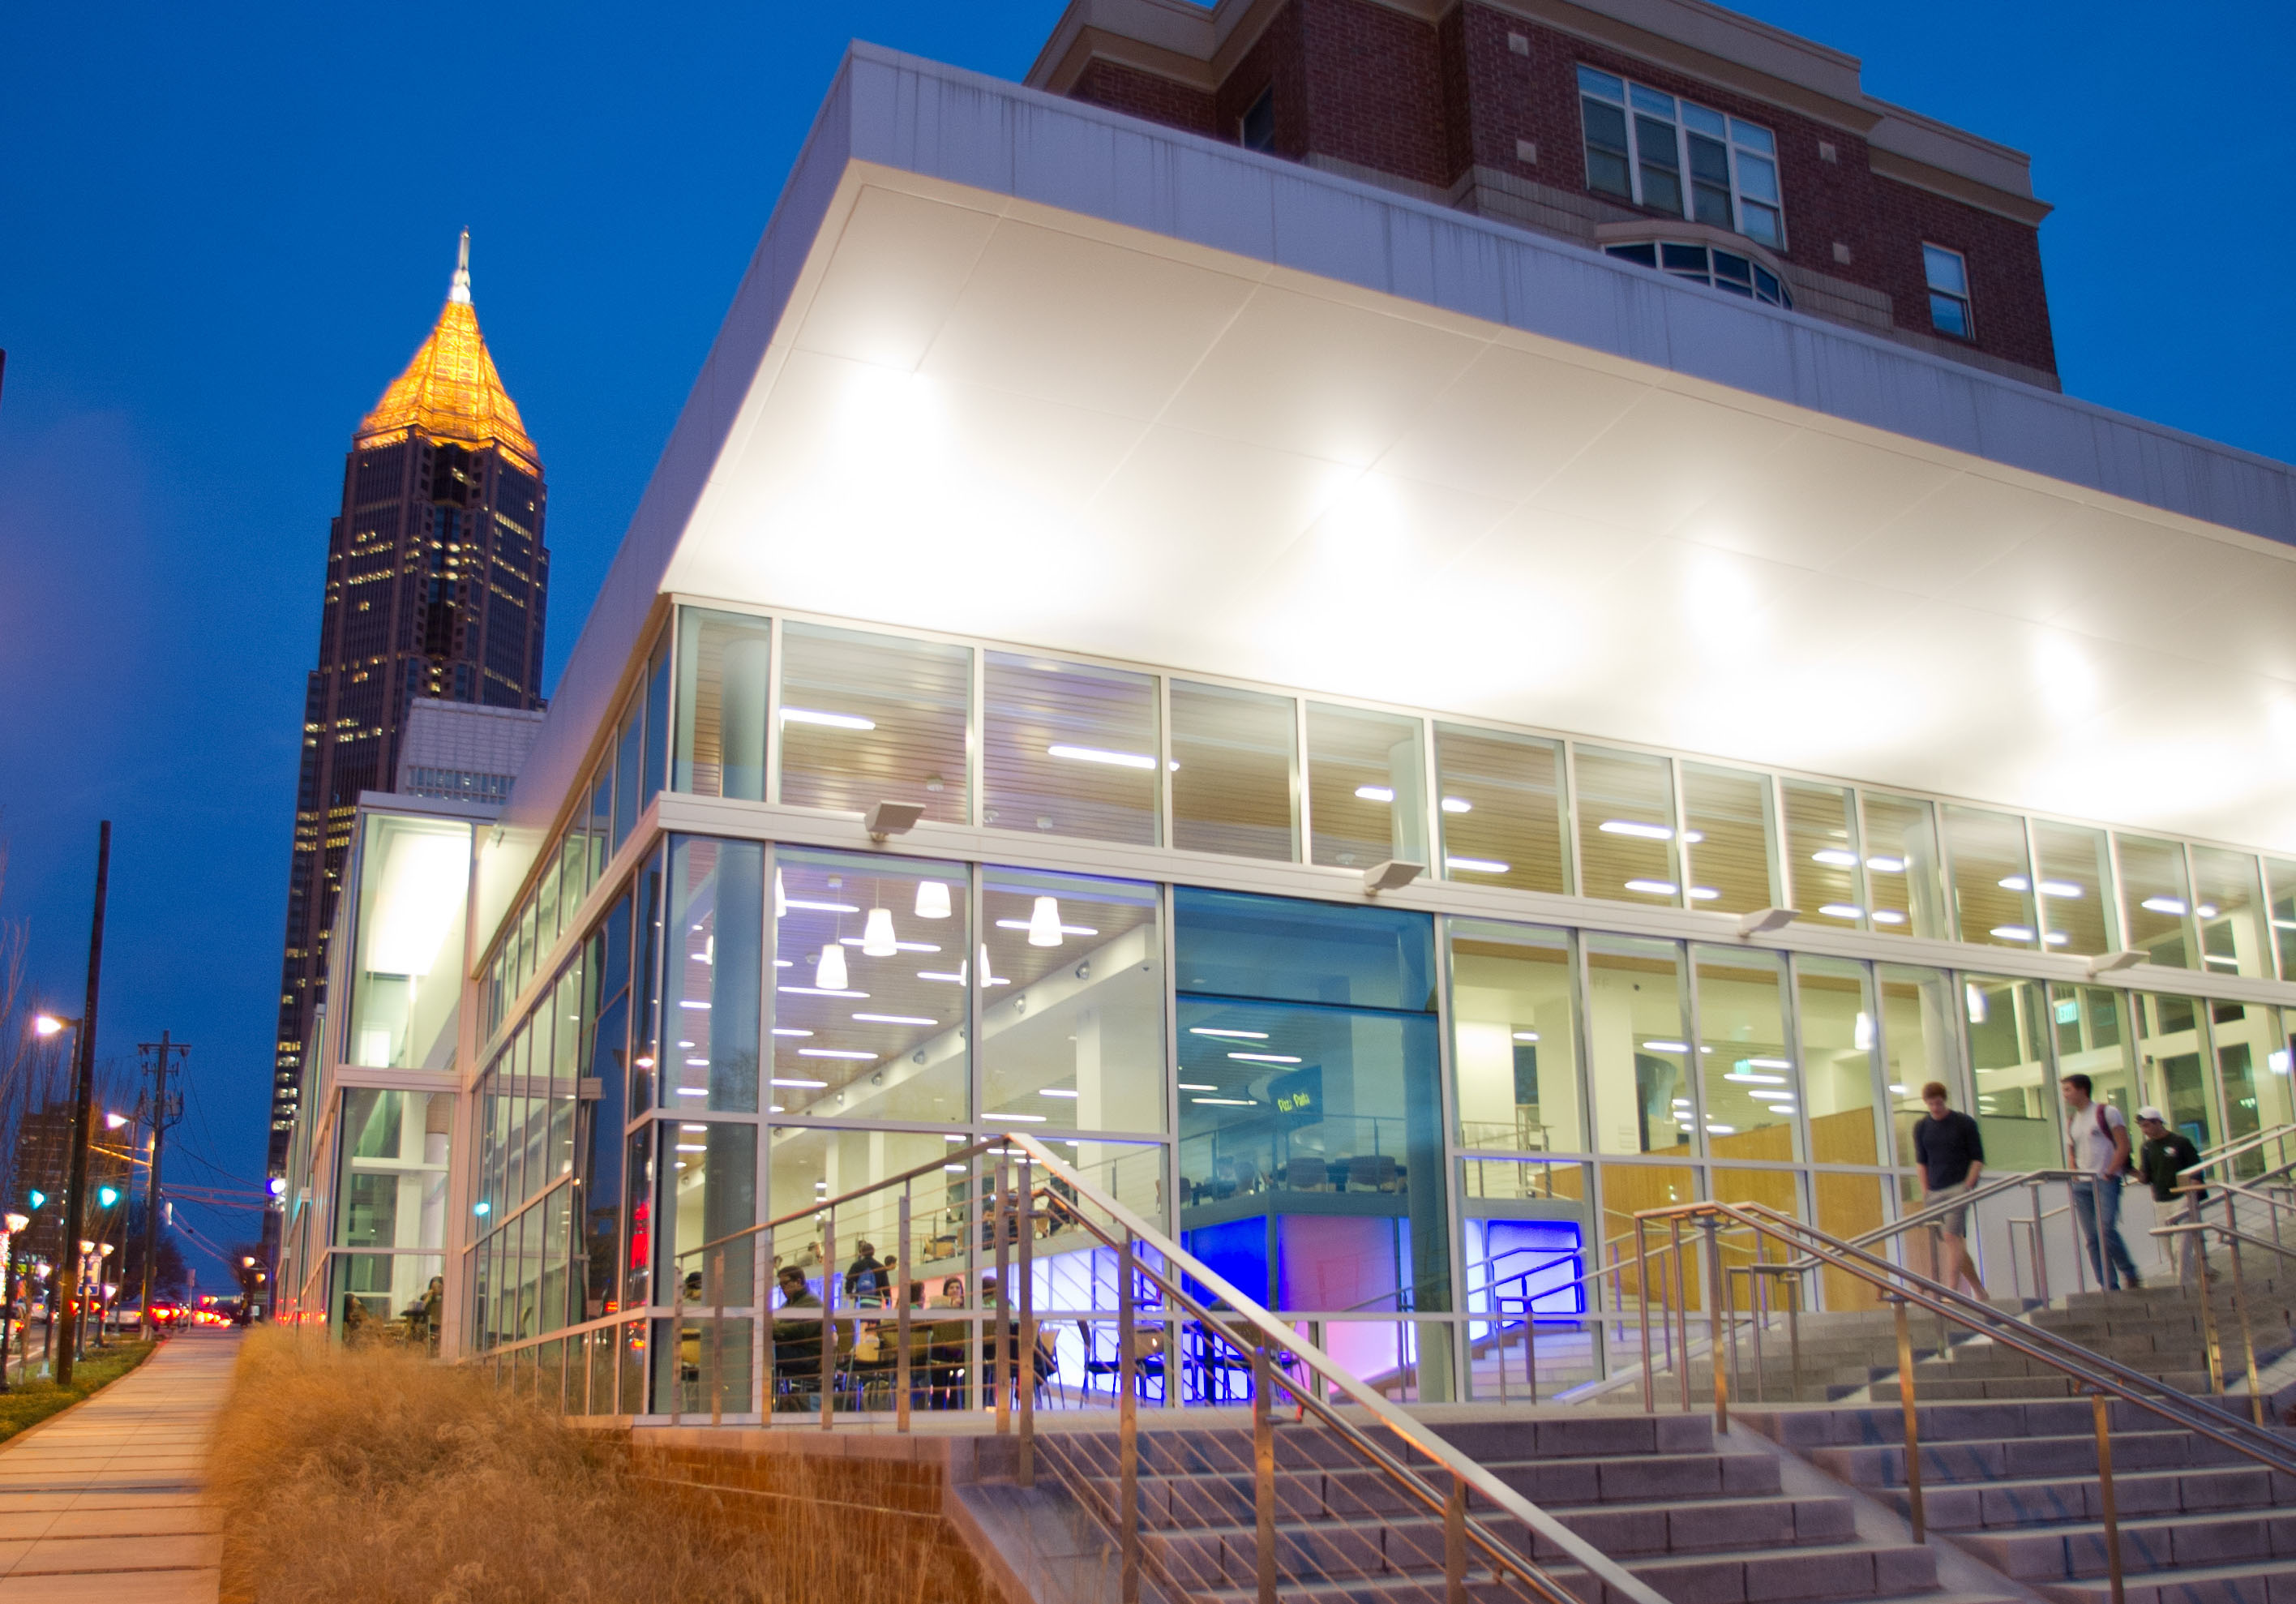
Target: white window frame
{"points": [[1960, 297], [1743, 143]]}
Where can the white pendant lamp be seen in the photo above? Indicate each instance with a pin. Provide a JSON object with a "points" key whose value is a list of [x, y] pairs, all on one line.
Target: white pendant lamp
{"points": [[1044, 922], [877, 938], [932, 898], [780, 898], [829, 974], [987, 977]]}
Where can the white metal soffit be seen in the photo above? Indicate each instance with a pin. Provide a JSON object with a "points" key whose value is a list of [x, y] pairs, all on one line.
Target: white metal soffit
{"points": [[987, 415]]}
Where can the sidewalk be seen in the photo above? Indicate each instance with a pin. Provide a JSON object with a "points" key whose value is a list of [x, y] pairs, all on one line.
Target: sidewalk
{"points": [[103, 1502]]}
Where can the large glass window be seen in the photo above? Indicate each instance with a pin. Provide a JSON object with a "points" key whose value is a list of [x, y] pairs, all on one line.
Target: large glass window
{"points": [[415, 877], [2280, 877], [1626, 826], [1640, 1046], [1752, 1089], [1902, 866], [1834, 1007], [2094, 1039], [1992, 882], [2172, 1045], [1676, 156], [1729, 844], [806, 1167], [1233, 763], [1069, 749], [1824, 866], [723, 662], [598, 1124], [2076, 888], [871, 959], [709, 1171], [2153, 893], [2252, 1067], [2228, 907], [868, 718], [1501, 811], [1514, 1037], [717, 934], [1311, 1143], [2017, 1097], [1076, 1042], [1918, 1031], [1368, 791]]}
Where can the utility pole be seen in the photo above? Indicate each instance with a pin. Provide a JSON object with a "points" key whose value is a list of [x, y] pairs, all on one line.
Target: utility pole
{"points": [[165, 1113], [84, 1103]]}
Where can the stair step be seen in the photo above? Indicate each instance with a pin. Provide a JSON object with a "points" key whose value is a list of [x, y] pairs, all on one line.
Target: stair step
{"points": [[2076, 1549], [2035, 1502]]}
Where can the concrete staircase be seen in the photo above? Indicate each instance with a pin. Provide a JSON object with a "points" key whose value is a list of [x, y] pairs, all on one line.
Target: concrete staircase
{"points": [[1700, 1524], [2014, 1485]]}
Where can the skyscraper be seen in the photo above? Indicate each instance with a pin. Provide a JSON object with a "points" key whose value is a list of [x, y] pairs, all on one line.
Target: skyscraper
{"points": [[436, 576]]}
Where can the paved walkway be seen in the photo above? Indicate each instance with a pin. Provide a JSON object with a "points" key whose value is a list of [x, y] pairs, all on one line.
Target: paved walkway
{"points": [[103, 1502]]}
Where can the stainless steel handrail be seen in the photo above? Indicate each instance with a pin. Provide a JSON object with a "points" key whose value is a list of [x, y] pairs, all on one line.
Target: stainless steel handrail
{"points": [[2247, 1144], [1245, 1327]]}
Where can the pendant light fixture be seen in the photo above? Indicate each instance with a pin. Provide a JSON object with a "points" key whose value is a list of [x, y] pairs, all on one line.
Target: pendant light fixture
{"points": [[829, 974], [987, 978], [877, 939], [932, 898], [780, 898], [1044, 922]]}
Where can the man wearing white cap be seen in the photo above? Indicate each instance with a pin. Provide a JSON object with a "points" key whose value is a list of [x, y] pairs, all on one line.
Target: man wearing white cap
{"points": [[2167, 1153]]}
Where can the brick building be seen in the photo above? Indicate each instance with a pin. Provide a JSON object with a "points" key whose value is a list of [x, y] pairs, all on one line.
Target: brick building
{"points": [[1670, 132]]}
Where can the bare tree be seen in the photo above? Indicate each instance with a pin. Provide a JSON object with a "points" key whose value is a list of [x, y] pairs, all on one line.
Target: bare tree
{"points": [[34, 1071]]}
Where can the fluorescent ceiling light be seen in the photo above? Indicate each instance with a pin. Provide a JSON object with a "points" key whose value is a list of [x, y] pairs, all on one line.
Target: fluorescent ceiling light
{"points": [[2218, 957], [691, 1003], [785, 1080], [1842, 910], [1476, 866], [1227, 1102], [1888, 916], [1886, 865], [1205, 1030], [2014, 882], [806, 715], [2054, 938], [1769, 1063], [2012, 932], [697, 1063], [1653, 888], [1378, 794], [822, 907], [2206, 910], [1753, 1078], [1629, 826], [861, 1055], [1721, 1130], [1673, 1047], [818, 992], [1093, 754], [1767, 1095], [1033, 1119], [2060, 888], [942, 975], [784, 1030], [932, 898], [782, 963], [863, 942], [954, 1169], [1526, 1035], [877, 938], [1195, 1086], [2163, 905], [693, 1127], [1055, 1091], [1263, 1057], [1834, 857], [1703, 894], [1457, 804], [692, 1147], [893, 1019]]}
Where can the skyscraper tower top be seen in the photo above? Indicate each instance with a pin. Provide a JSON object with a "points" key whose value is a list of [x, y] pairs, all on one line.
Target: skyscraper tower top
{"points": [[451, 390]]}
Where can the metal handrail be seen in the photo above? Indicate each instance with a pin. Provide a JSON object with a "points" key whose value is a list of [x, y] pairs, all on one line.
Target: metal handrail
{"points": [[1170, 1269], [2247, 1144]]}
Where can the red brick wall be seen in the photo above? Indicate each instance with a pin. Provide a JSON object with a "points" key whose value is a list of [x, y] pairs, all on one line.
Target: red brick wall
{"points": [[1357, 81], [1144, 94]]}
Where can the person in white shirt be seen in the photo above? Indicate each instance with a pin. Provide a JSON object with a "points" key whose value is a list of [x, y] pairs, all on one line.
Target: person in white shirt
{"points": [[2098, 1146]]}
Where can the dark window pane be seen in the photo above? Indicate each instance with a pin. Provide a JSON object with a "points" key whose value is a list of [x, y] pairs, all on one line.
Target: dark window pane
{"points": [[1647, 255], [1234, 945], [1949, 317], [1258, 131], [1685, 259], [1735, 269]]}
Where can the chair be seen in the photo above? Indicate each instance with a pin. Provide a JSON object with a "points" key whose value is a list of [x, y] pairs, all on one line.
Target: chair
{"points": [[1147, 1363], [1372, 1173], [1307, 1175]]}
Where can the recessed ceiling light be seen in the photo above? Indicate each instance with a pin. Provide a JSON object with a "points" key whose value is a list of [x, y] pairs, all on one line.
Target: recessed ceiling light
{"points": [[1264, 1057], [1476, 866], [859, 1055], [1888, 916], [824, 907], [2169, 905], [1205, 1030], [806, 715], [2060, 888], [893, 1019], [1834, 857], [1225, 1102], [1375, 794], [1886, 866], [1194, 1086], [1653, 888], [782, 1081], [1055, 1091], [790, 1030], [1526, 1035], [2014, 882], [1629, 826], [1457, 804], [2012, 932], [1703, 894], [1842, 910]]}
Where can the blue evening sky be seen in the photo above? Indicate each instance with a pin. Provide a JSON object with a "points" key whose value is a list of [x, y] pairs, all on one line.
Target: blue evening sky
{"points": [[223, 231]]}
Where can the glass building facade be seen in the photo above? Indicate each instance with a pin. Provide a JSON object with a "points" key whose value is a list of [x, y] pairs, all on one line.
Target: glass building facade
{"points": [[1131, 921]]}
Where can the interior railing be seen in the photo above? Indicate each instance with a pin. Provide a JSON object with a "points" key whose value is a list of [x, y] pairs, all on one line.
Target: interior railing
{"points": [[2102, 1379], [1161, 1291]]}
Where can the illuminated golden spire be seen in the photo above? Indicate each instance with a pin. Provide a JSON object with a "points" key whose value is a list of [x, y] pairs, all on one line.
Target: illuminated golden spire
{"points": [[451, 390]]}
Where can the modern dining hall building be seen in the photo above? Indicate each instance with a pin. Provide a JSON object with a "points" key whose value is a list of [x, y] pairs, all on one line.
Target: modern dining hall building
{"points": [[1194, 532]]}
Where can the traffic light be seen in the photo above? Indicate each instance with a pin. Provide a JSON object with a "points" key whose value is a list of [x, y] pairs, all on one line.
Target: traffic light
{"points": [[107, 1196], [38, 1198]]}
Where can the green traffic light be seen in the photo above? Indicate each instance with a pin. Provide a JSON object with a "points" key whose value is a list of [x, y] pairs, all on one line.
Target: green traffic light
{"points": [[38, 1198], [107, 1196]]}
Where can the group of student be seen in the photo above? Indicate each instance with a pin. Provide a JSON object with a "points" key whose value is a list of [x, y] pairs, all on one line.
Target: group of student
{"points": [[1950, 1152], [941, 1351]]}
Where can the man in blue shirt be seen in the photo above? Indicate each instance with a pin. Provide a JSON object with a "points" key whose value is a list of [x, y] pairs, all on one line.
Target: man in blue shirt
{"points": [[1951, 1153]]}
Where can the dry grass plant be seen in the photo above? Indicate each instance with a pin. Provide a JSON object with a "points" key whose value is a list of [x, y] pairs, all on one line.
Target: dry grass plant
{"points": [[373, 1476]]}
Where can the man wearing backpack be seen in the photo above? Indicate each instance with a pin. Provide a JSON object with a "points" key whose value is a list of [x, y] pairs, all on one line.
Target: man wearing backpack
{"points": [[2098, 1146], [2166, 1154]]}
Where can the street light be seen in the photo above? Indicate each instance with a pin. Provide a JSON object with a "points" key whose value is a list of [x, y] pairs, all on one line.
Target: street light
{"points": [[112, 1122], [51, 1025]]}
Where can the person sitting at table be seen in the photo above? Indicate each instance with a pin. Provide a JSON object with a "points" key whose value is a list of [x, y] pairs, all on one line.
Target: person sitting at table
{"points": [[797, 1343]]}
